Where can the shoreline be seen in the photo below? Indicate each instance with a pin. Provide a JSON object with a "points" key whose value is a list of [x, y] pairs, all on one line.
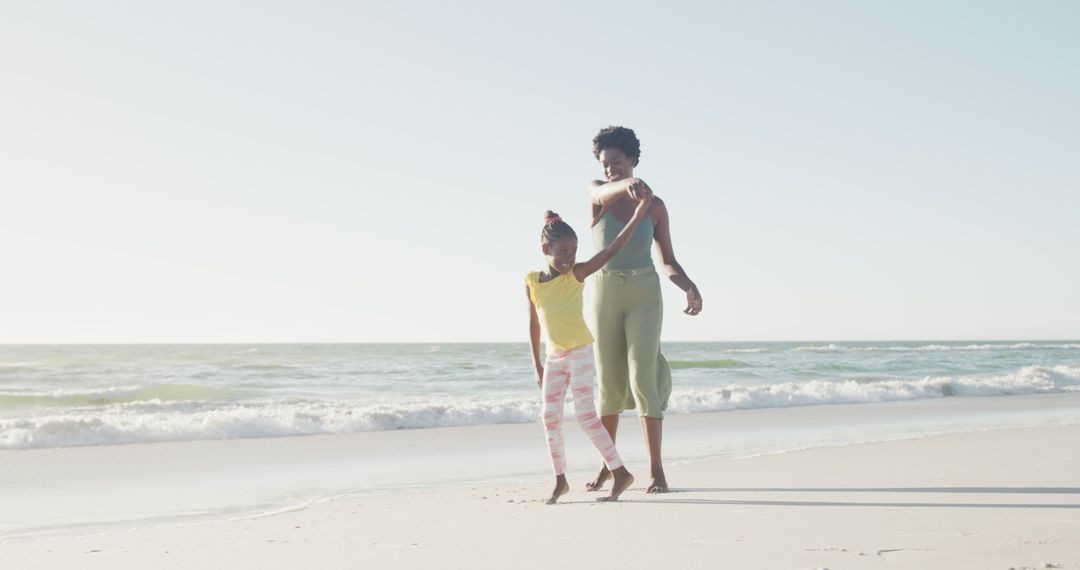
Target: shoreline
{"points": [[62, 397], [92, 489], [996, 498]]}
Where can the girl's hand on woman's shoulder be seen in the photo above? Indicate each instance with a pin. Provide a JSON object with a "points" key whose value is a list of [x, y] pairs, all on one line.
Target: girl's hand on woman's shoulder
{"points": [[638, 190], [642, 208]]}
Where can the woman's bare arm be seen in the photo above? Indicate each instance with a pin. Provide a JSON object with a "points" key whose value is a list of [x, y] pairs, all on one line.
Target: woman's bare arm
{"points": [[674, 271], [603, 194]]}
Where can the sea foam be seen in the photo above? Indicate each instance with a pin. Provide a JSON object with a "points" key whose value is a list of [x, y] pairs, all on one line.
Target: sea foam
{"points": [[157, 419]]}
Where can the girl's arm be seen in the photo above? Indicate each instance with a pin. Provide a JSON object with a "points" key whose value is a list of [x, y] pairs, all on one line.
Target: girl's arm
{"points": [[674, 271], [583, 270], [534, 339]]}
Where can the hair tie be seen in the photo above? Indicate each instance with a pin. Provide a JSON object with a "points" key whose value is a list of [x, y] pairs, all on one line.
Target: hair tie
{"points": [[554, 219]]}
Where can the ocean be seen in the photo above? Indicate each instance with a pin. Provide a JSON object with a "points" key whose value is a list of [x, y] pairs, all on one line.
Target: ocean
{"points": [[93, 395], [107, 438]]}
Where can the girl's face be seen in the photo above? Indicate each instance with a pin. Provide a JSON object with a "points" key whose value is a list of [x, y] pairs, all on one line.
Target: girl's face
{"points": [[560, 254], [616, 164]]}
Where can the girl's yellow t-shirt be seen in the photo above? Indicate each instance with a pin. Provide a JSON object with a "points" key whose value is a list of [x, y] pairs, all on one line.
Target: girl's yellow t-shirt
{"points": [[559, 305]]}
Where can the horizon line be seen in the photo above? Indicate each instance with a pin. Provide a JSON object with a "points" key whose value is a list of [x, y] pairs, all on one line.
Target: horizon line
{"points": [[388, 342]]}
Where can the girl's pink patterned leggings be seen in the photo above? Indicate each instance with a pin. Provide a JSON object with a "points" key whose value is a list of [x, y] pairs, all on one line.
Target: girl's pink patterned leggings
{"points": [[576, 369]]}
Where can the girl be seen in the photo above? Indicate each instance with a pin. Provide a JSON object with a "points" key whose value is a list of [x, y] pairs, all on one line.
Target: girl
{"points": [[555, 304]]}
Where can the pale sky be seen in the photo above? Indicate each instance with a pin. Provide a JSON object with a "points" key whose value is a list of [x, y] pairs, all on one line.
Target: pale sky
{"points": [[360, 171]]}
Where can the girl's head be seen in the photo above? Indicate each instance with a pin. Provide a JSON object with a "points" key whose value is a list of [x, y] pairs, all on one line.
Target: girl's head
{"points": [[558, 242], [618, 150]]}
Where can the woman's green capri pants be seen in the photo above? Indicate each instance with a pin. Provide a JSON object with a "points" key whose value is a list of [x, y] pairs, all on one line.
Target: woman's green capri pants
{"points": [[629, 367]]}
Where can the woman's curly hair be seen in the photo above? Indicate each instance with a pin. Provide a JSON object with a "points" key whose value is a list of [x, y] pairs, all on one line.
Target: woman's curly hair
{"points": [[621, 138]]}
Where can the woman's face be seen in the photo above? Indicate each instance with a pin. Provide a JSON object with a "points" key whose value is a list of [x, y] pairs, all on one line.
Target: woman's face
{"points": [[616, 164]]}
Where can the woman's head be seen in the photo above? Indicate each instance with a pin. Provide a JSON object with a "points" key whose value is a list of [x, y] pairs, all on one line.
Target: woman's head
{"points": [[558, 242], [618, 150]]}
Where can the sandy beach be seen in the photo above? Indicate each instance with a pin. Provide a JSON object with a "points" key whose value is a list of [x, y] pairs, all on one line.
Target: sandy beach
{"points": [[992, 498]]}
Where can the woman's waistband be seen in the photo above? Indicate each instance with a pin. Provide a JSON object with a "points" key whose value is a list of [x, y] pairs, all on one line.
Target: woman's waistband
{"points": [[649, 270]]}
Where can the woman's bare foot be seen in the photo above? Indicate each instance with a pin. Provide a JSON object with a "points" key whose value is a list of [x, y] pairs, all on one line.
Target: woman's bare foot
{"points": [[622, 481], [601, 478], [561, 488], [659, 482]]}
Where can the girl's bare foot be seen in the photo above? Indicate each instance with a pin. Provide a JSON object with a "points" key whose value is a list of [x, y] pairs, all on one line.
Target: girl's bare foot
{"points": [[601, 478], [561, 488], [659, 482], [622, 481]]}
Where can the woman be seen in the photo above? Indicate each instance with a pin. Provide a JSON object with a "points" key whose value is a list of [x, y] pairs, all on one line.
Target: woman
{"points": [[631, 371]]}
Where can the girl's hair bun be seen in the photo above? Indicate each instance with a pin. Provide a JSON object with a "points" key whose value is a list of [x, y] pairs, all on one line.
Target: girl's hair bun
{"points": [[555, 228]]}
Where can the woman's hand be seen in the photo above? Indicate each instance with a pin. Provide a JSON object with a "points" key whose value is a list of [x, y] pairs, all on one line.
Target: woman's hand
{"points": [[540, 376], [693, 301]]}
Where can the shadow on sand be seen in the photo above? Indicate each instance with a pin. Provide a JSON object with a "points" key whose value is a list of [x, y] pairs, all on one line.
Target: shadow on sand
{"points": [[672, 497]]}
